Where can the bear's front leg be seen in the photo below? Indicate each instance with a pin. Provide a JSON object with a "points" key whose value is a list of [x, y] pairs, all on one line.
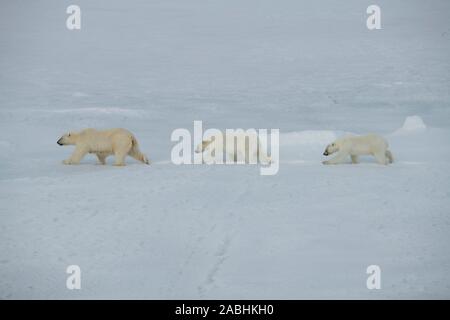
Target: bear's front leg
{"points": [[76, 156], [101, 158], [340, 158], [355, 159]]}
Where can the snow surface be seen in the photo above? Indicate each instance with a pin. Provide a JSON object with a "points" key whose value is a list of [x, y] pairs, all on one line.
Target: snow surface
{"points": [[309, 68]]}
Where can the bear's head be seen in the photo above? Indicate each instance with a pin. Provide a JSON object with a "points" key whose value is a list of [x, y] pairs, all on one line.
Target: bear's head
{"points": [[330, 149], [202, 146], [67, 139]]}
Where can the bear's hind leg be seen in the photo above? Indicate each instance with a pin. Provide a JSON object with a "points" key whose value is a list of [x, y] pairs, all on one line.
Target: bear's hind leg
{"points": [[381, 158], [121, 149], [389, 156], [120, 158], [139, 156], [264, 158]]}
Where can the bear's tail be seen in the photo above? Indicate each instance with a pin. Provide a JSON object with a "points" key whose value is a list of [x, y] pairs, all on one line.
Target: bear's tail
{"points": [[389, 156], [136, 153]]}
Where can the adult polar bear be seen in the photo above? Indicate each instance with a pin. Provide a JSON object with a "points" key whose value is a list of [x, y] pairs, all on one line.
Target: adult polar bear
{"points": [[355, 146], [119, 142]]}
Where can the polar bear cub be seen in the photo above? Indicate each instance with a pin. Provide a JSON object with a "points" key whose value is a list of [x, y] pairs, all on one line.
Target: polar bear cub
{"points": [[117, 142], [355, 146], [239, 147]]}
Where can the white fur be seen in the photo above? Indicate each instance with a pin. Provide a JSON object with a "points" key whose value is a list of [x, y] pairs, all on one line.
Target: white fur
{"points": [[355, 146], [117, 142]]}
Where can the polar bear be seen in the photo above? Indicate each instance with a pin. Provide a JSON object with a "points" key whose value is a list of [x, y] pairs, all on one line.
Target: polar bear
{"points": [[119, 142], [238, 146], [355, 146]]}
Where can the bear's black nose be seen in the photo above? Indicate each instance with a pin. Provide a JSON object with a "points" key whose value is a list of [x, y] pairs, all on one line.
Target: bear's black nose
{"points": [[325, 153], [59, 142]]}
